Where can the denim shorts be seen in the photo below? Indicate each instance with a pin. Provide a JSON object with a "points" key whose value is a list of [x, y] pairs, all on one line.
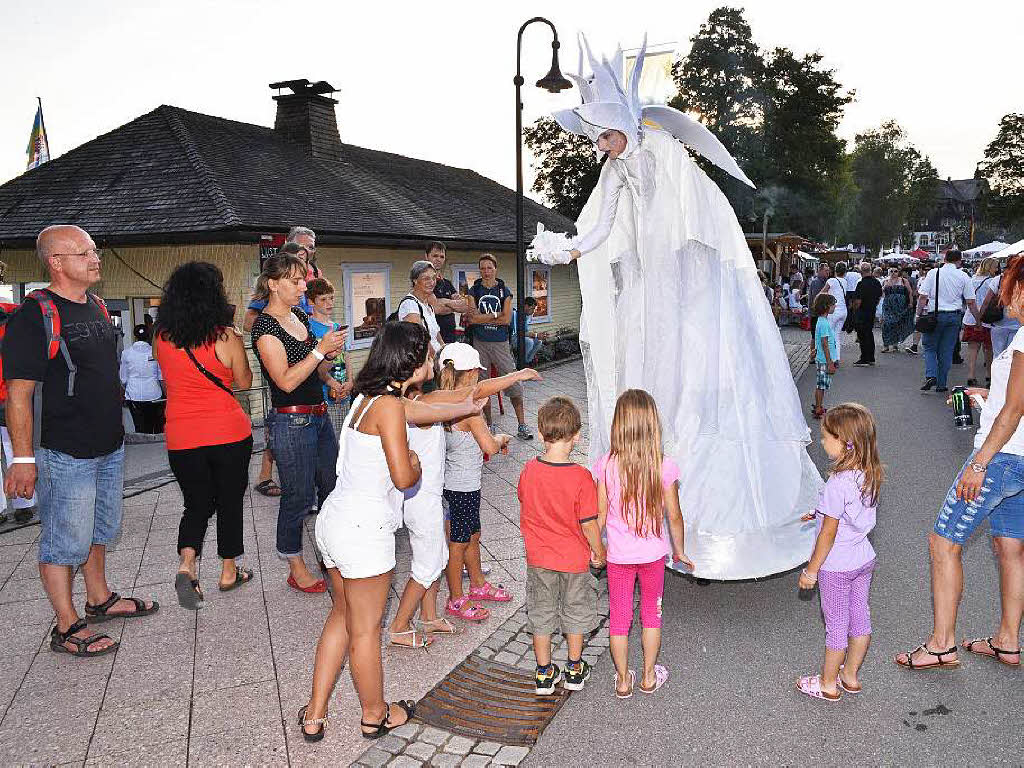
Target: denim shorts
{"points": [[80, 502], [824, 378], [1001, 500]]}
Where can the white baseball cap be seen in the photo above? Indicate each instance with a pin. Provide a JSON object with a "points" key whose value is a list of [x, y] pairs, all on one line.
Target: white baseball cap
{"points": [[463, 356]]}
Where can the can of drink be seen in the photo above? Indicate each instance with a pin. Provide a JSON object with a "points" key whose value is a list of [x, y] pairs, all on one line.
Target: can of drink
{"points": [[963, 416]]}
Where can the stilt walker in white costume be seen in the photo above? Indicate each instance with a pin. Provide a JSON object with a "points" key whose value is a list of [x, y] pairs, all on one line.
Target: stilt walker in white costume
{"points": [[672, 304]]}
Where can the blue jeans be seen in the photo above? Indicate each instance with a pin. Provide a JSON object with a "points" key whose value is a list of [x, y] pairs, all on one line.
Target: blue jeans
{"points": [[306, 451], [1001, 500], [80, 503], [532, 347], [938, 346]]}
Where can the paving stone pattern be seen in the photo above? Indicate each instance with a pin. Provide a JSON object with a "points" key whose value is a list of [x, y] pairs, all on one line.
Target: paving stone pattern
{"points": [[222, 686]]}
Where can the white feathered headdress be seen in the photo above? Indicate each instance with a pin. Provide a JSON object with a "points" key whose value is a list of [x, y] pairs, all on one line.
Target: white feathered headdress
{"points": [[608, 104]]}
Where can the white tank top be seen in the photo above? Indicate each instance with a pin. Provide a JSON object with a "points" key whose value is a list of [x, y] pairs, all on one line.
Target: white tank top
{"points": [[430, 447], [464, 461], [363, 474]]}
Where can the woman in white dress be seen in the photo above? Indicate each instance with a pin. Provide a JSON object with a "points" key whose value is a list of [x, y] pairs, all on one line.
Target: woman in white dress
{"points": [[672, 305]]}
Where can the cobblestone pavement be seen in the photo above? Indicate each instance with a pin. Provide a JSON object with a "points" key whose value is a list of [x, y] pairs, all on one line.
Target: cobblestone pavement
{"points": [[222, 686]]}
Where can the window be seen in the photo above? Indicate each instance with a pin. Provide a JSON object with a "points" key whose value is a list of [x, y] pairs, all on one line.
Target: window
{"points": [[463, 277], [538, 285], [367, 301], [924, 239]]}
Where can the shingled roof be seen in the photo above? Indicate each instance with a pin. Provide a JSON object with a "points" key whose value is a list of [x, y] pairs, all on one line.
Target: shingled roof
{"points": [[172, 174]]}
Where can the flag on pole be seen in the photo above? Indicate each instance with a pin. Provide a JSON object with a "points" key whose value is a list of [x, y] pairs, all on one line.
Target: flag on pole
{"points": [[38, 146]]}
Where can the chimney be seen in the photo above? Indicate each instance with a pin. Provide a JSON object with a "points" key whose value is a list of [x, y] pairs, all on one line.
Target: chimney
{"points": [[306, 117]]}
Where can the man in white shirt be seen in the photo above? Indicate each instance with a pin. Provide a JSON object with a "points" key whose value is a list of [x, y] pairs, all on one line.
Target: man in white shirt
{"points": [[954, 288], [141, 378], [836, 287], [853, 279]]}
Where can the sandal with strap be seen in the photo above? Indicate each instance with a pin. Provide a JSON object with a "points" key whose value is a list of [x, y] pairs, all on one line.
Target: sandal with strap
{"points": [[811, 686], [488, 591], [318, 734], [268, 488], [190, 596], [96, 614], [632, 684], [58, 638], [909, 663], [440, 626], [463, 609], [997, 653], [242, 576], [418, 640], [660, 678], [842, 684], [382, 728]]}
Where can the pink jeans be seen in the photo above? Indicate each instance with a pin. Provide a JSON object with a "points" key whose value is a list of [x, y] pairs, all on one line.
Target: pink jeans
{"points": [[621, 580]]}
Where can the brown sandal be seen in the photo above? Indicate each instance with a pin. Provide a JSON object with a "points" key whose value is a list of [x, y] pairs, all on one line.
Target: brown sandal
{"points": [[909, 663], [997, 653]]}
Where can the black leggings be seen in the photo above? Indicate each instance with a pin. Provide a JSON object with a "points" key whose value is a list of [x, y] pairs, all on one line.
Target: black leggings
{"points": [[213, 478]]}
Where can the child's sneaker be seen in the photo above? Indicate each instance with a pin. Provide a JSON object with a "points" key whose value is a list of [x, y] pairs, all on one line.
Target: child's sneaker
{"points": [[547, 680], [576, 675]]}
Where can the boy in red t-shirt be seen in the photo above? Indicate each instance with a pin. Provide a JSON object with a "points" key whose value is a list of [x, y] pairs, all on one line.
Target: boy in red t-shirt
{"points": [[558, 518]]}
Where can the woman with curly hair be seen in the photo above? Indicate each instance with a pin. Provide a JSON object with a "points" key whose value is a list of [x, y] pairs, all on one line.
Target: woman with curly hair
{"points": [[209, 436]]}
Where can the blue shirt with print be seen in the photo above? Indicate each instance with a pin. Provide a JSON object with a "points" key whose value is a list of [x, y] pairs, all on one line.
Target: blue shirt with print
{"points": [[823, 330], [490, 301], [259, 305]]}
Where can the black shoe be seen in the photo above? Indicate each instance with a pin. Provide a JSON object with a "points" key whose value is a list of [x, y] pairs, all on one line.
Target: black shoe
{"points": [[576, 675], [942, 389], [930, 382], [862, 364], [972, 382], [912, 349], [547, 680]]}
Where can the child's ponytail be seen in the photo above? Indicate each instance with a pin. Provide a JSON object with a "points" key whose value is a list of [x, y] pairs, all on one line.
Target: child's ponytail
{"points": [[448, 377]]}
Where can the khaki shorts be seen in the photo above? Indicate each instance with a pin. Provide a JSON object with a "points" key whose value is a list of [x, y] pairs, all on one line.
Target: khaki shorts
{"points": [[556, 600], [498, 354]]}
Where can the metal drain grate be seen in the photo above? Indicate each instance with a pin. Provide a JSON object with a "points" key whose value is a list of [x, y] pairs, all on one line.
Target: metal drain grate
{"points": [[488, 700]]}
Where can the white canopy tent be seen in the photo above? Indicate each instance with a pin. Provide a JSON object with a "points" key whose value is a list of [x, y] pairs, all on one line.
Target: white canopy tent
{"points": [[1010, 250], [987, 249]]}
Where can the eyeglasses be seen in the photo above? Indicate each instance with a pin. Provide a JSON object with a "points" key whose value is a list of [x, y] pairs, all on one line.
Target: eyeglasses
{"points": [[97, 252]]}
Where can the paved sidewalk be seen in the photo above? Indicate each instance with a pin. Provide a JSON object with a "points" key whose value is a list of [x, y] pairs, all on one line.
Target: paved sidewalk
{"points": [[223, 685]]}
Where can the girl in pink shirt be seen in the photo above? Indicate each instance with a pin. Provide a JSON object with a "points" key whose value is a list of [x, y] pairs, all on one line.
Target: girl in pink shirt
{"points": [[636, 485]]}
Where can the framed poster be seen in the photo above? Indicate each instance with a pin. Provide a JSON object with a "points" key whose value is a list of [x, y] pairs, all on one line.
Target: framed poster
{"points": [[463, 277], [269, 245], [538, 285], [367, 301]]}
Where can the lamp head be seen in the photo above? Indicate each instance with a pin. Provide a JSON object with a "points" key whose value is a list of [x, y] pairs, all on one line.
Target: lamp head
{"points": [[554, 81]]}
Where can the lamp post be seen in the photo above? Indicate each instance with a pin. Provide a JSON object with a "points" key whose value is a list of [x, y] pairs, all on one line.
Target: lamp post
{"points": [[553, 82]]}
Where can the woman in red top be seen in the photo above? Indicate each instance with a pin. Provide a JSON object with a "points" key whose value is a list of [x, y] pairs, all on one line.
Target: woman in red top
{"points": [[209, 436]]}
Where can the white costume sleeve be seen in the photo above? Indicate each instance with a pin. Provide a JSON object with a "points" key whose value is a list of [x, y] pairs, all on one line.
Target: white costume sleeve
{"points": [[611, 186]]}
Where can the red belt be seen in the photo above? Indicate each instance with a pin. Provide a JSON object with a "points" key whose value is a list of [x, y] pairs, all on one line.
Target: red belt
{"points": [[318, 410]]}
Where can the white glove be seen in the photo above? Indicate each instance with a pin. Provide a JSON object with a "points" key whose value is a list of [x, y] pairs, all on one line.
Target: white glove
{"points": [[558, 257], [550, 247]]}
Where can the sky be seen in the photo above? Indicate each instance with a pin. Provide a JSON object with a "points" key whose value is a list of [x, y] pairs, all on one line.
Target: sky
{"points": [[434, 80]]}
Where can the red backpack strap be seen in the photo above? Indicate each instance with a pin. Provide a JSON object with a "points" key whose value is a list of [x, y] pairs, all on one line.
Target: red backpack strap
{"points": [[54, 341], [101, 304]]}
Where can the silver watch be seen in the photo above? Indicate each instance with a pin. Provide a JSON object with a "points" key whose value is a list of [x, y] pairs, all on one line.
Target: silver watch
{"points": [[981, 468]]}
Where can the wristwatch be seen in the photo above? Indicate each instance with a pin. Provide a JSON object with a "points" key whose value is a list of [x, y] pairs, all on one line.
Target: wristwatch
{"points": [[980, 468]]}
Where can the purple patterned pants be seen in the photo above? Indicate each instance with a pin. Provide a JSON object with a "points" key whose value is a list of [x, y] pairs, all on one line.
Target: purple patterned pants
{"points": [[844, 603]]}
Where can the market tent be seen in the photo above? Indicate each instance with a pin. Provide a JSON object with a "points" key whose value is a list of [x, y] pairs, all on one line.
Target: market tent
{"points": [[1010, 250], [987, 249]]}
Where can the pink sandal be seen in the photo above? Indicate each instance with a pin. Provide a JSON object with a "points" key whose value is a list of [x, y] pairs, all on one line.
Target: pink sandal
{"points": [[490, 592], [463, 609], [811, 686]]}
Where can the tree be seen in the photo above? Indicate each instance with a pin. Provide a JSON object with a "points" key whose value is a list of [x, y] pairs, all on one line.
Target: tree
{"points": [[719, 84], [567, 166], [800, 159], [1003, 168], [896, 185]]}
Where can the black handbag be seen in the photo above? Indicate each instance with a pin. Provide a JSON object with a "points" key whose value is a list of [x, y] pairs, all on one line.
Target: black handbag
{"points": [[993, 312], [929, 322]]}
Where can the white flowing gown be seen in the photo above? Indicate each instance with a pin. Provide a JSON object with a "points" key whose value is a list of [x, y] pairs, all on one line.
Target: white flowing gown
{"points": [[672, 304]]}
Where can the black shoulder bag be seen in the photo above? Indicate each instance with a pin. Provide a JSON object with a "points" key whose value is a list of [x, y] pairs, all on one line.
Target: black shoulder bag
{"points": [[207, 374], [929, 322], [993, 312]]}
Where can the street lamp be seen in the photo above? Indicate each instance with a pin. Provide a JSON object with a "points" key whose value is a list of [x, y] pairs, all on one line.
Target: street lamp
{"points": [[553, 82]]}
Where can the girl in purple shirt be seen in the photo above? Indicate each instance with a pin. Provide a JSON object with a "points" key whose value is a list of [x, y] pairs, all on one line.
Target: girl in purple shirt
{"points": [[843, 558]]}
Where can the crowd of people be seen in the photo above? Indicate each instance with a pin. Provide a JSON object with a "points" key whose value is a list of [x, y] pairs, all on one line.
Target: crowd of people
{"points": [[411, 449]]}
